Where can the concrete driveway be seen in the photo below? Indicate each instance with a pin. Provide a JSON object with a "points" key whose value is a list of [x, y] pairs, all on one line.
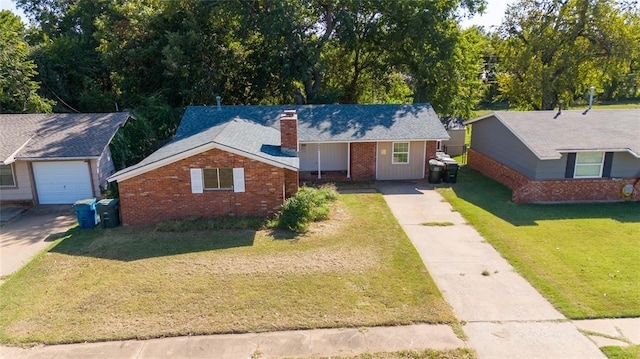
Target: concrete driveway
{"points": [[31, 232], [505, 316]]}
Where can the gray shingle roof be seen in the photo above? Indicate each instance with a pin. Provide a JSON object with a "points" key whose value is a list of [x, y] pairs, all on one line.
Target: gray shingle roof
{"points": [[329, 123], [53, 136], [240, 135], [255, 130], [548, 134]]}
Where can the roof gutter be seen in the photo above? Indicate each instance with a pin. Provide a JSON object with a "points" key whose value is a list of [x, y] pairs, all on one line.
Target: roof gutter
{"points": [[12, 157], [380, 140], [124, 174], [636, 155], [129, 115], [468, 122], [42, 159]]}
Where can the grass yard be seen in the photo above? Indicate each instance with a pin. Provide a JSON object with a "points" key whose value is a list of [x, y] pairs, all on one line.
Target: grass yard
{"points": [[630, 352], [358, 269], [584, 258]]}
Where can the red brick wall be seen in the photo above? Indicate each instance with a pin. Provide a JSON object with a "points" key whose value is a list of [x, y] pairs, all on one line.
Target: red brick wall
{"points": [[289, 133], [493, 169], [432, 147], [291, 182], [525, 190], [574, 190], [363, 161], [165, 193]]}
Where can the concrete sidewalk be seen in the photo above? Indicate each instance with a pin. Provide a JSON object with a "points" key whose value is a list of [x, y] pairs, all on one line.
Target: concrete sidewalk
{"points": [[505, 316], [302, 343]]}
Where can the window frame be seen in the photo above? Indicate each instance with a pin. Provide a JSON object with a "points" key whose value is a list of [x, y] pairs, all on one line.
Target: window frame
{"points": [[13, 177], [219, 188], [578, 164], [394, 153]]}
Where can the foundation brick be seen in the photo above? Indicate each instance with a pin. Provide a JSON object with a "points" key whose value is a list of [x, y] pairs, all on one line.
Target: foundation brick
{"points": [[525, 190]]}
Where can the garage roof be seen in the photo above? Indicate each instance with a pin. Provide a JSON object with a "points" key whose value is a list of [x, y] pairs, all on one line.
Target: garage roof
{"points": [[57, 136]]}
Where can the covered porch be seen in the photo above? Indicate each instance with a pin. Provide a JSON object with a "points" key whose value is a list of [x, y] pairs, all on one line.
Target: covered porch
{"points": [[325, 162]]}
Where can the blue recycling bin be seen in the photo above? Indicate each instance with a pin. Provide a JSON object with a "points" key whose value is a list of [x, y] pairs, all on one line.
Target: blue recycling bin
{"points": [[86, 213]]}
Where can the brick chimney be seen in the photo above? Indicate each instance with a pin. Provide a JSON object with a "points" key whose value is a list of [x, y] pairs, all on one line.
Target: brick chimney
{"points": [[289, 132]]}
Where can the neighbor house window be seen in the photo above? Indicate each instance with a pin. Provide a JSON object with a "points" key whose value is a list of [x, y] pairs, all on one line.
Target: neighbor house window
{"points": [[6, 176], [217, 178], [589, 165], [400, 152]]}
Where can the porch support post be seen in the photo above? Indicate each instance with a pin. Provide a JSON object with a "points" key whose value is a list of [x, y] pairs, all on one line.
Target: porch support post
{"points": [[319, 166], [348, 159]]}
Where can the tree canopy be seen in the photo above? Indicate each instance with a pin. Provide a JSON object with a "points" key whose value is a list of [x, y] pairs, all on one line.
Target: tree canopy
{"points": [[99, 55], [553, 50], [18, 88]]}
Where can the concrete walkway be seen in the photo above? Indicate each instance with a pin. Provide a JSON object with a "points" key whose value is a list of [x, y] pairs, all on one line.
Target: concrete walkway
{"points": [[303, 343], [505, 316], [31, 232]]}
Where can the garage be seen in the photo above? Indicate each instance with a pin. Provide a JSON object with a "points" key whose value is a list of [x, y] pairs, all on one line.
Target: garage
{"points": [[62, 182]]}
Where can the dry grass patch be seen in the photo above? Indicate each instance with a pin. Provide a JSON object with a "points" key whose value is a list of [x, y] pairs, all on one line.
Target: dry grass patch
{"points": [[461, 353], [358, 269]]}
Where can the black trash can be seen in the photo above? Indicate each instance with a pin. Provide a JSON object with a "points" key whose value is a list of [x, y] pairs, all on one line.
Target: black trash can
{"points": [[86, 213], [435, 171], [109, 211], [450, 174]]}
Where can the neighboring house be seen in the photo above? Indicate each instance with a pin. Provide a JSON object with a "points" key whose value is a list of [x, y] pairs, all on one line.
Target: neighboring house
{"points": [[548, 156], [457, 130], [246, 160], [55, 158]]}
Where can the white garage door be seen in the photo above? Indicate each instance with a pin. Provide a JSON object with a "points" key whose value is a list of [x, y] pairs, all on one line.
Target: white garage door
{"points": [[62, 182]]}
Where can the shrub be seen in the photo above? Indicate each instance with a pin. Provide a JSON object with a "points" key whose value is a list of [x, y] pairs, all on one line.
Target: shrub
{"points": [[308, 205]]}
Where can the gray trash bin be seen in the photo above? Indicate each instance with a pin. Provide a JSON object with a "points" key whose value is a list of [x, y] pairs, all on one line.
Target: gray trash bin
{"points": [[450, 174], [108, 209], [435, 171]]}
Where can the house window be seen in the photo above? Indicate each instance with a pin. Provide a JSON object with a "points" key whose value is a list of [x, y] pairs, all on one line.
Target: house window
{"points": [[400, 152], [6, 176], [217, 178], [589, 165]]}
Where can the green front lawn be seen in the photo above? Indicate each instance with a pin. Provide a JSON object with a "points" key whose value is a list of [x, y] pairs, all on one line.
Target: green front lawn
{"points": [[585, 258], [460, 353], [630, 352], [357, 269]]}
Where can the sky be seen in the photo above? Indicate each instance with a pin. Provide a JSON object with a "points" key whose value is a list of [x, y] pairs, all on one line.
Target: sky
{"points": [[492, 16]]}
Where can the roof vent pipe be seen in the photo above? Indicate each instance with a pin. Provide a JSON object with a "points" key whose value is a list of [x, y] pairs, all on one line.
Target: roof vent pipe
{"points": [[218, 100], [592, 88]]}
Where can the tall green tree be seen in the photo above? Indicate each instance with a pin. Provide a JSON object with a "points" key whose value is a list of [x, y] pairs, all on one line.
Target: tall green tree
{"points": [[18, 89], [71, 70], [555, 50], [440, 58]]}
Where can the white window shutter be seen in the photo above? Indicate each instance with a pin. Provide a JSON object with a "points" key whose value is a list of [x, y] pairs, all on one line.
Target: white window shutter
{"points": [[238, 179], [196, 180]]}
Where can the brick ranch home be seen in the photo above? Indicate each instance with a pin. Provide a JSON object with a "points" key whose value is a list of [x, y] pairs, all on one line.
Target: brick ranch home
{"points": [[246, 160], [567, 156]]}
